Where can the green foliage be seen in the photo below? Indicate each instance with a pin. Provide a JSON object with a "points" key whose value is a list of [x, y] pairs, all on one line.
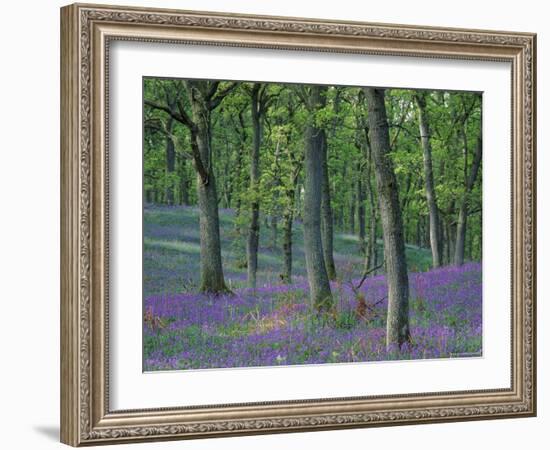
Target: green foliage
{"points": [[455, 124], [346, 320]]}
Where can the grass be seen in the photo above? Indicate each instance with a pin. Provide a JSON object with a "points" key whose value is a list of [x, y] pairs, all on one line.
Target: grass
{"points": [[172, 246]]}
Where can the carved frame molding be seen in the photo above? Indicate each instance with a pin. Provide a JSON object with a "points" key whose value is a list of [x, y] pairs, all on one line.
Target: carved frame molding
{"points": [[86, 31]]}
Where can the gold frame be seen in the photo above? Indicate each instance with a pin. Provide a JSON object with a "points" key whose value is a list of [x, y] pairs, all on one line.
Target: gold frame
{"points": [[86, 31]]}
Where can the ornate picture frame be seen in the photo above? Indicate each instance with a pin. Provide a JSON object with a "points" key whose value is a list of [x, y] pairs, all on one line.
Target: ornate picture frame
{"points": [[86, 34]]}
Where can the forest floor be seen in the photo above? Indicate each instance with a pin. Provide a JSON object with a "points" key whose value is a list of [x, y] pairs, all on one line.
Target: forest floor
{"points": [[274, 324]]}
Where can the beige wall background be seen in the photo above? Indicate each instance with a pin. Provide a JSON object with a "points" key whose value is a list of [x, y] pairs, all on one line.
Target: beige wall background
{"points": [[29, 222]]}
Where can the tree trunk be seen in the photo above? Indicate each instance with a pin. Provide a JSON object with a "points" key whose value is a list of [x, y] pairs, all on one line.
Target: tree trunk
{"points": [[286, 276], [463, 209], [435, 236], [408, 227], [203, 98], [327, 223], [452, 242], [327, 215], [426, 228], [441, 224], [184, 183], [361, 210], [254, 227], [288, 220], [273, 226], [170, 162], [460, 235], [372, 249], [320, 293], [212, 279], [372, 253], [445, 238], [236, 173], [343, 206], [469, 245], [397, 329], [352, 211], [298, 211]]}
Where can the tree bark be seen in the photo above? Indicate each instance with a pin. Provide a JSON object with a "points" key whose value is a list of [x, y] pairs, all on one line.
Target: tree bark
{"points": [[327, 215], [253, 238], [212, 279], [372, 253], [273, 226], [286, 276], [298, 212], [435, 235], [320, 293], [288, 220], [227, 184], [463, 209], [397, 328], [352, 202], [372, 250], [405, 200], [327, 221], [184, 182], [236, 173], [445, 238], [361, 232], [170, 162]]}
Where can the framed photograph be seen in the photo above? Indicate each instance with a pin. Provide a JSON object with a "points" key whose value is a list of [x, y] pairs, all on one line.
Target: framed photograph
{"points": [[276, 224]]}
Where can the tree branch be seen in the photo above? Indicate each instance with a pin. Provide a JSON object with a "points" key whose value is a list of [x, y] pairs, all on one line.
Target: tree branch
{"points": [[153, 124], [365, 274], [302, 94], [475, 165], [203, 173], [212, 91], [182, 117], [216, 99]]}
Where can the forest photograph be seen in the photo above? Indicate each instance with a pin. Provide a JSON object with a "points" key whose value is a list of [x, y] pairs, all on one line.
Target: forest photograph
{"points": [[290, 224]]}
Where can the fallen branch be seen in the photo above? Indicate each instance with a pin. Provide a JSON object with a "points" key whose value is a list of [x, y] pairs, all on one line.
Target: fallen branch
{"points": [[364, 277], [363, 306]]}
